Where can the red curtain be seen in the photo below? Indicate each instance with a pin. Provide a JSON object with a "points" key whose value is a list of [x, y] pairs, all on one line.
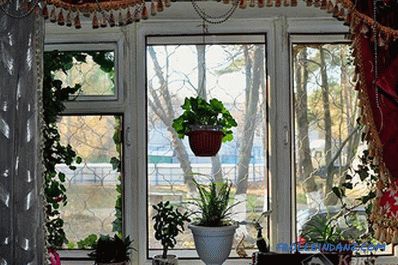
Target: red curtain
{"points": [[376, 55], [382, 96]]}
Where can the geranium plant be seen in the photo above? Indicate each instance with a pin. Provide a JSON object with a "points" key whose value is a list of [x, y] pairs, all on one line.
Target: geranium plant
{"points": [[201, 113]]}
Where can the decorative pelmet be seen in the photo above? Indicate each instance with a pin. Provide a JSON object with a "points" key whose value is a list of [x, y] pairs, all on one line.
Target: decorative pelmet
{"points": [[102, 14]]}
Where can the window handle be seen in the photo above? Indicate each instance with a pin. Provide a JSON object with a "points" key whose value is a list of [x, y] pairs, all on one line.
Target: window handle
{"points": [[128, 136], [287, 136]]}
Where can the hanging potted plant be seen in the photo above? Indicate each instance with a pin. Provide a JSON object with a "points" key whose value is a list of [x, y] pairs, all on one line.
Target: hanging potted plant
{"points": [[112, 250], [213, 231], [169, 222], [207, 124]]}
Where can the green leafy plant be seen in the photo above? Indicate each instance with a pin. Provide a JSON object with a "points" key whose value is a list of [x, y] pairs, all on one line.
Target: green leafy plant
{"points": [[111, 249], [322, 229], [213, 206], [54, 152], [169, 222], [117, 165], [365, 173], [87, 243], [199, 112], [55, 93]]}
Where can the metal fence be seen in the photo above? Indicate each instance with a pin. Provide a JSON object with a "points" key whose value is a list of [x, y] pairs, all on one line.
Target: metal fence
{"points": [[159, 174]]}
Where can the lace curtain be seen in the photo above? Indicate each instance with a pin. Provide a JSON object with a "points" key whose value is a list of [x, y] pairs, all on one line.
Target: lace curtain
{"points": [[21, 211]]}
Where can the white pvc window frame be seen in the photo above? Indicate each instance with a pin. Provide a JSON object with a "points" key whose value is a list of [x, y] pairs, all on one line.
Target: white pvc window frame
{"points": [[331, 38], [213, 39], [130, 42], [79, 47], [100, 105]]}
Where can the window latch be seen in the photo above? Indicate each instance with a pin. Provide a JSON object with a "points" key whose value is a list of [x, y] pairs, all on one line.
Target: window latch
{"points": [[286, 134], [128, 136]]}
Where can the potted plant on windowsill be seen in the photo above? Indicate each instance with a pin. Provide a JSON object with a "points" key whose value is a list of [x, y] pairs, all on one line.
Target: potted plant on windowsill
{"points": [[326, 232], [207, 124], [213, 230], [112, 250], [169, 222]]}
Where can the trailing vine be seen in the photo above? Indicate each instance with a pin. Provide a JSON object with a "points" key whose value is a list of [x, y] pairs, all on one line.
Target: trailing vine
{"points": [[55, 93], [367, 172], [117, 165], [54, 152]]}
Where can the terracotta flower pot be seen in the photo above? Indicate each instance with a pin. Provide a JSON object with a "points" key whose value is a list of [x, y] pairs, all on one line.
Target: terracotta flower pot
{"points": [[205, 142]]}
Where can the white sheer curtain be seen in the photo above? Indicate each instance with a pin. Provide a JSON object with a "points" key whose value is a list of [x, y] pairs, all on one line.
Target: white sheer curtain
{"points": [[21, 210]]}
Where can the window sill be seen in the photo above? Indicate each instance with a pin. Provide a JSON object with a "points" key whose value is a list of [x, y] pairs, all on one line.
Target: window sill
{"points": [[381, 260], [149, 262]]}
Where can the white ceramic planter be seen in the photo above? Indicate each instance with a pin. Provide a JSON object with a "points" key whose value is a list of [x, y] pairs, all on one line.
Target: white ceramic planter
{"points": [[213, 244]]}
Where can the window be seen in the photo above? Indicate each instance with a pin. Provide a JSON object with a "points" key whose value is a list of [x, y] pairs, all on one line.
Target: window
{"points": [[94, 74], [94, 67], [160, 71], [94, 189], [232, 69], [327, 142]]}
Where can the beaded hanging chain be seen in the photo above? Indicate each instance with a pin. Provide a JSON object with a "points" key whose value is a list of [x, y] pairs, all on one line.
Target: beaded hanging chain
{"points": [[215, 19]]}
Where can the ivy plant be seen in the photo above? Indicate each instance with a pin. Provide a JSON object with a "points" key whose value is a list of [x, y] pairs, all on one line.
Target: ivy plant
{"points": [[367, 172], [117, 165], [199, 112], [55, 93], [54, 152]]}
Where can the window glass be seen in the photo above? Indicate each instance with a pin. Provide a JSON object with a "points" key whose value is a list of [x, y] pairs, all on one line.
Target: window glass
{"points": [[234, 74], [327, 144], [95, 74], [94, 187]]}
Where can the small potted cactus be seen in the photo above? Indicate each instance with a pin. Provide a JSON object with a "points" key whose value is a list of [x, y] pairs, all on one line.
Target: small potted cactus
{"points": [[169, 222]]}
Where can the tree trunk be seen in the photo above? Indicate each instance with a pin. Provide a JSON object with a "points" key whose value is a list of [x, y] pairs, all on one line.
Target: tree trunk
{"points": [[305, 167], [328, 128], [216, 168], [161, 104], [250, 120]]}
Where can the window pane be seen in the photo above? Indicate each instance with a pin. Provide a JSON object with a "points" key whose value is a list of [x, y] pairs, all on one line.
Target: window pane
{"points": [[91, 188], [327, 140], [235, 74], [93, 70]]}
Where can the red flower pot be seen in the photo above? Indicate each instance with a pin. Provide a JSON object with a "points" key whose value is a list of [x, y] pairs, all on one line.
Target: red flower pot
{"points": [[205, 142]]}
